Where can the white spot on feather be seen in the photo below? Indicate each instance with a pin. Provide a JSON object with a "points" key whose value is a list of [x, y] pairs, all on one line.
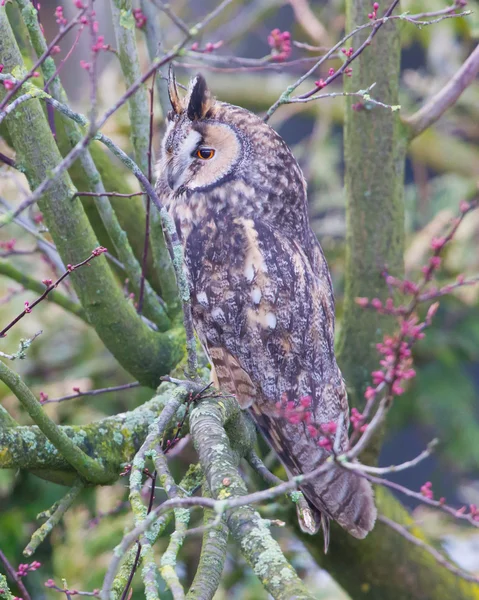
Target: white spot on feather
{"points": [[249, 272], [256, 295], [202, 298], [270, 320], [218, 314]]}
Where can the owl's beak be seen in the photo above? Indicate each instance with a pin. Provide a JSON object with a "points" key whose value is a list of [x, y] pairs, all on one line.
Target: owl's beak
{"points": [[172, 178], [175, 173]]}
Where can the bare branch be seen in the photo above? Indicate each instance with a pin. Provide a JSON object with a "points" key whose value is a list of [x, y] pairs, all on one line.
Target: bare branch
{"points": [[436, 106]]}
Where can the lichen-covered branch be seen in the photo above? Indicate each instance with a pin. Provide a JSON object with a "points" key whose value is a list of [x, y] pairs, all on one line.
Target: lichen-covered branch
{"points": [[113, 440], [54, 518], [154, 525], [89, 469], [182, 518], [5, 594], [219, 462], [212, 557]]}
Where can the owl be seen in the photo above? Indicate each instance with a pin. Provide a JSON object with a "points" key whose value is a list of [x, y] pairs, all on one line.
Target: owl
{"points": [[261, 292]]}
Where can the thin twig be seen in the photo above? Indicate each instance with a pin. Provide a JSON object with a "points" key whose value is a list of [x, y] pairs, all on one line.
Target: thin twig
{"points": [[41, 59], [97, 392], [55, 516], [13, 576], [176, 20], [109, 194], [70, 268]]}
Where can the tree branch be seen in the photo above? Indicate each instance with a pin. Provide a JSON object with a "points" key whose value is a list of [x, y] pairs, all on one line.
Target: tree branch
{"points": [[54, 518], [90, 470], [7, 269], [212, 557], [247, 528], [145, 354], [436, 106]]}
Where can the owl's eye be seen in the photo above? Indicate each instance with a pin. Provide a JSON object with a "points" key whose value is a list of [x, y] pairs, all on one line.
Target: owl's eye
{"points": [[205, 153]]}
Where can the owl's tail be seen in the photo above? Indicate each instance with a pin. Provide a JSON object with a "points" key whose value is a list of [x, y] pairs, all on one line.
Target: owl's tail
{"points": [[345, 497], [336, 494]]}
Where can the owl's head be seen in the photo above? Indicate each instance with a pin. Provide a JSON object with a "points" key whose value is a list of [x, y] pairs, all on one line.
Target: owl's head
{"points": [[210, 144]]}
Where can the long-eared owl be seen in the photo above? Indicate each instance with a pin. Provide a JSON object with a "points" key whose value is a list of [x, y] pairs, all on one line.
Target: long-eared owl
{"points": [[261, 291]]}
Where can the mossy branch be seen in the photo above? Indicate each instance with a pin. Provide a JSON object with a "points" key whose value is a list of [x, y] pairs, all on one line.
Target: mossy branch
{"points": [[55, 515], [89, 469], [153, 309], [212, 557], [138, 110], [375, 150], [114, 440], [219, 462], [144, 353]]}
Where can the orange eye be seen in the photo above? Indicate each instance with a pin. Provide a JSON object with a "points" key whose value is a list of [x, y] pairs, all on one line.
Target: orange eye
{"points": [[205, 153]]}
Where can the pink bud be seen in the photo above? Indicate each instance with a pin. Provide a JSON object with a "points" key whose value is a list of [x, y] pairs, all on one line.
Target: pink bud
{"points": [[305, 401], [435, 262], [363, 302], [325, 443], [431, 312], [437, 243], [8, 85]]}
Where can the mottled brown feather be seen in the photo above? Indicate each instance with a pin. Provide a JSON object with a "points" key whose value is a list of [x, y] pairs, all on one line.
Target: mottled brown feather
{"points": [[261, 291]]}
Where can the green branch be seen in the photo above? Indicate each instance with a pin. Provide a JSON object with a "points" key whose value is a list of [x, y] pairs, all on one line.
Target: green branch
{"points": [[55, 515], [139, 110], [153, 309], [219, 463], [212, 557], [90, 470], [8, 270], [145, 354]]}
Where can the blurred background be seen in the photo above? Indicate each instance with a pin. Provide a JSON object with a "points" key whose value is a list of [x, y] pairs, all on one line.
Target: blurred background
{"points": [[442, 169]]}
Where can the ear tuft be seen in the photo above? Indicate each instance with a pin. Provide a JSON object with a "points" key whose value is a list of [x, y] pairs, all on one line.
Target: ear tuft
{"points": [[175, 100], [198, 99]]}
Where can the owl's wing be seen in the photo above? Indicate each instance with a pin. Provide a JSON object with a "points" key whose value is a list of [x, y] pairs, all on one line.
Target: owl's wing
{"points": [[264, 311], [230, 377]]}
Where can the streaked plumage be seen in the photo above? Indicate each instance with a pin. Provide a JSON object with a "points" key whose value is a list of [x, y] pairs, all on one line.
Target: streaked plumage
{"points": [[262, 298]]}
